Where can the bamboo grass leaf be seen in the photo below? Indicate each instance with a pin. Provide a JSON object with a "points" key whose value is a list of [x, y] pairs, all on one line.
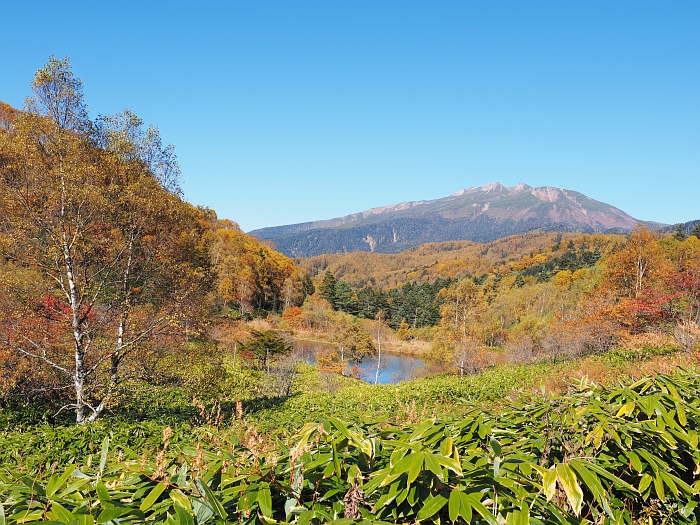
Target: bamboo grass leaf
{"points": [[573, 491]]}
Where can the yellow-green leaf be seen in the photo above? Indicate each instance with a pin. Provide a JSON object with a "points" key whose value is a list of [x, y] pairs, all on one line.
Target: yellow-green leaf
{"points": [[626, 409], [568, 481]]}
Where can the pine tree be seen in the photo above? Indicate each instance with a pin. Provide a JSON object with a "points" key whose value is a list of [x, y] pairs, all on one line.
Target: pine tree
{"points": [[519, 282], [678, 234], [307, 286], [327, 289], [343, 299], [696, 230]]}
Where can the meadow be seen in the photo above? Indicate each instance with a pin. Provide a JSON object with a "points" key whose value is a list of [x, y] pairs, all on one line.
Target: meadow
{"points": [[536, 443]]}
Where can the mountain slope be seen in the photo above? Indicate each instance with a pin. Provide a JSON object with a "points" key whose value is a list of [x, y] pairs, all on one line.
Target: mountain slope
{"points": [[481, 214]]}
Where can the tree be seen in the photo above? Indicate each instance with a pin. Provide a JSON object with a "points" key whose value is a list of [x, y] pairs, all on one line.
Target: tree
{"points": [[307, 287], [639, 265], [291, 292], [679, 234], [684, 286], [249, 275], [696, 231], [343, 299], [91, 209], [327, 289], [462, 314], [354, 343], [265, 346], [380, 329]]}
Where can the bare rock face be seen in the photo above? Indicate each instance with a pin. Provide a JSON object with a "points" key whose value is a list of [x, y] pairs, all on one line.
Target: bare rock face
{"points": [[480, 214]]}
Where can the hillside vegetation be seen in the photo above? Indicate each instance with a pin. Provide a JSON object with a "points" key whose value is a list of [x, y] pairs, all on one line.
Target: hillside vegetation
{"points": [[104, 269], [477, 449], [446, 260]]}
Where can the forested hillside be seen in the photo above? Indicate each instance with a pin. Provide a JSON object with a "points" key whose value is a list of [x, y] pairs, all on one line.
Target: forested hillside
{"points": [[587, 294], [446, 260], [103, 266]]}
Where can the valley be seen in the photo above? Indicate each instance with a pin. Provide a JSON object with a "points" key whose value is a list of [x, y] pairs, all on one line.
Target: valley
{"points": [[503, 355]]}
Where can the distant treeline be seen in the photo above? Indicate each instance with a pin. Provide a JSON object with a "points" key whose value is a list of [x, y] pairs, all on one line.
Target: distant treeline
{"points": [[418, 303]]}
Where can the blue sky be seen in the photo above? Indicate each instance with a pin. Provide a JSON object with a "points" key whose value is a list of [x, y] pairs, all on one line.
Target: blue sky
{"points": [[285, 112]]}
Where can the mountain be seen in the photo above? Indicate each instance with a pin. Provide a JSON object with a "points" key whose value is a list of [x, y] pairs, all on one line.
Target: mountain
{"points": [[480, 214]]}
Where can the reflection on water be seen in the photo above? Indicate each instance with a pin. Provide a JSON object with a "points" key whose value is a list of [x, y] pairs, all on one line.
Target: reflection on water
{"points": [[394, 368]]}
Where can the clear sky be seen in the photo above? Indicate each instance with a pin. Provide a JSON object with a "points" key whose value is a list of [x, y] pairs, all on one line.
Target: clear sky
{"points": [[290, 111]]}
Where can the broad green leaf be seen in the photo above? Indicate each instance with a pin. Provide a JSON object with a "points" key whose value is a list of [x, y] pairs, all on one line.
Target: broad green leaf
{"points": [[465, 507], [103, 456], [481, 509], [203, 510], [518, 517], [178, 497], [659, 487], [635, 461], [432, 464], [83, 519], [669, 483], [450, 464], [626, 409], [645, 482], [593, 483], [102, 492], [112, 513], [446, 446], [431, 507], [549, 481], [416, 466], [403, 465], [211, 498], [155, 493], [454, 504], [496, 446], [421, 429], [61, 513], [265, 500], [607, 475], [61, 480], [183, 515], [568, 481], [680, 412]]}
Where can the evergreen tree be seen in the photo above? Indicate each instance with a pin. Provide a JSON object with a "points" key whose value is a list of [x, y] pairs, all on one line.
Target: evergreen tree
{"points": [[696, 230], [370, 302], [307, 286], [343, 299], [679, 235], [327, 289]]}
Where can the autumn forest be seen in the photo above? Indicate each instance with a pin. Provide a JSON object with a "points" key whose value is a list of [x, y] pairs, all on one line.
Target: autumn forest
{"points": [[159, 364]]}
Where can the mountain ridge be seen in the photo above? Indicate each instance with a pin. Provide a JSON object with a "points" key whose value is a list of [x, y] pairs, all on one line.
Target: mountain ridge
{"points": [[482, 214]]}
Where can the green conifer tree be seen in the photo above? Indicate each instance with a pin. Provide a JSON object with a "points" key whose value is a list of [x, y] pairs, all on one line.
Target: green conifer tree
{"points": [[679, 235], [696, 230], [343, 298], [327, 289]]}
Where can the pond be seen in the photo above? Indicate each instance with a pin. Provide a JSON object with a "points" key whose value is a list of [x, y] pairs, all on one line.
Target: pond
{"points": [[394, 368]]}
